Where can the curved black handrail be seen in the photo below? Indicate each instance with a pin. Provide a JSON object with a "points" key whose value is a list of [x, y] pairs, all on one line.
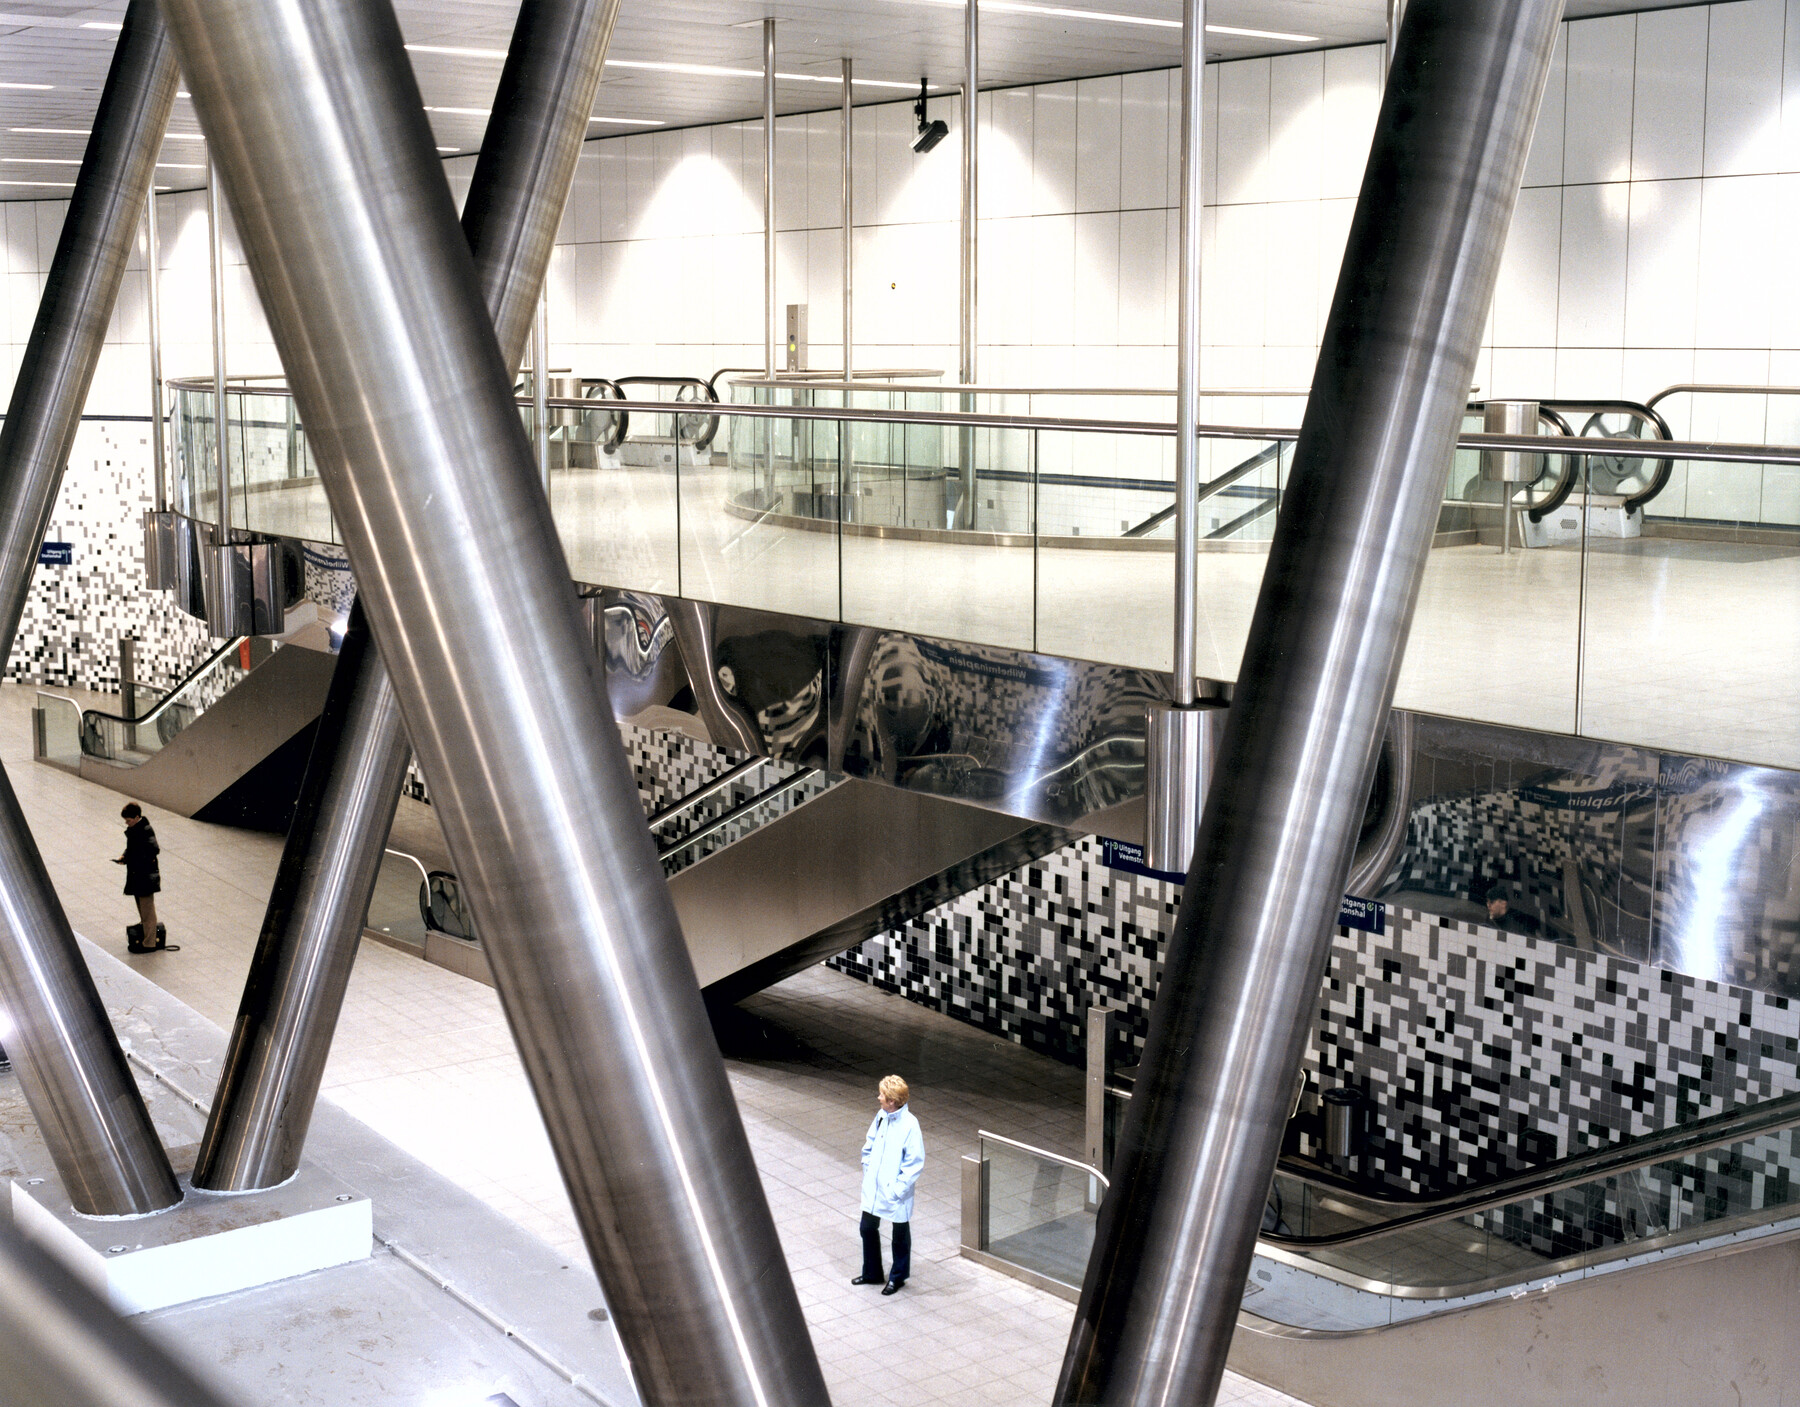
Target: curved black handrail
{"points": [[703, 390], [600, 389], [1649, 415], [1720, 1130], [169, 694]]}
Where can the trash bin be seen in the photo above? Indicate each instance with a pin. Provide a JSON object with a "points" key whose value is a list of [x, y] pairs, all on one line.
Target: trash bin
{"points": [[1343, 1124]]}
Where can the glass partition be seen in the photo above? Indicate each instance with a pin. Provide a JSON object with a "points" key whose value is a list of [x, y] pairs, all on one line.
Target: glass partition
{"points": [[1038, 1212], [56, 731], [161, 714], [394, 906]]}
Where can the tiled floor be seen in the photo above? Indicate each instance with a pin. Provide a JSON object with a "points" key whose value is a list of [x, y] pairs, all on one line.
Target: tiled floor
{"points": [[424, 1057]]}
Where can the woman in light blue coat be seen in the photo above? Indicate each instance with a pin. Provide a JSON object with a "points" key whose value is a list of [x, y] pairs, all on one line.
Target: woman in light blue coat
{"points": [[893, 1156]]}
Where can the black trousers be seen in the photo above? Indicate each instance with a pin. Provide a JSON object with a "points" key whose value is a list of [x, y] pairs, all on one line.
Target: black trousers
{"points": [[871, 1239]]}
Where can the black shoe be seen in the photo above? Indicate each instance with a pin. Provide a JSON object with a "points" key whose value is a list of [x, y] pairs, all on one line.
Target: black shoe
{"points": [[891, 1286], [865, 1280]]}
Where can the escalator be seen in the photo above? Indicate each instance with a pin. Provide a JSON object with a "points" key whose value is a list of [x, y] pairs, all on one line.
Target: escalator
{"points": [[1621, 1274], [226, 744]]}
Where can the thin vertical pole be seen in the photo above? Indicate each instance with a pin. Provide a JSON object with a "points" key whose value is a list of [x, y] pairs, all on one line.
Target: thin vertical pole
{"points": [[72, 1072], [215, 243], [153, 283], [768, 33], [849, 264], [540, 384], [1239, 992], [1187, 371], [968, 512]]}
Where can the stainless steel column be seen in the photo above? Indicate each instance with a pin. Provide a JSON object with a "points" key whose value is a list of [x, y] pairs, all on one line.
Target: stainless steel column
{"points": [[769, 261], [1396, 13], [61, 1345], [1179, 752], [282, 1037], [849, 264], [215, 263], [153, 285], [1240, 987], [540, 388], [82, 1095], [315, 120], [968, 515], [310, 931]]}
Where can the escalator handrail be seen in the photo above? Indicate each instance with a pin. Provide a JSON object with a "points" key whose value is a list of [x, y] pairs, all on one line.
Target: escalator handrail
{"points": [[1721, 1130], [1647, 413], [1208, 489], [719, 822], [170, 694], [701, 441], [701, 793]]}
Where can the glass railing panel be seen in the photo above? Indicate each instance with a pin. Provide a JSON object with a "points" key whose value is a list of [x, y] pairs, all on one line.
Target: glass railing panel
{"points": [[394, 904], [160, 717], [1040, 1213], [759, 516], [56, 731], [1689, 643], [616, 501], [280, 489]]}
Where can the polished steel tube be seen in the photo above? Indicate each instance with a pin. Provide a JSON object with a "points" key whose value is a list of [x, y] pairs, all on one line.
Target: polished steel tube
{"points": [[153, 284], [540, 388], [215, 265], [375, 307], [61, 1345], [768, 173], [70, 1067], [1240, 987], [1396, 13], [849, 264], [541, 115], [971, 125], [301, 968], [1187, 371], [282, 1037]]}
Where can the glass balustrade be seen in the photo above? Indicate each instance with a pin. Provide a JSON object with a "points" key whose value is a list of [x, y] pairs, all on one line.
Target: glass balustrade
{"points": [[56, 731], [160, 715], [1665, 621]]}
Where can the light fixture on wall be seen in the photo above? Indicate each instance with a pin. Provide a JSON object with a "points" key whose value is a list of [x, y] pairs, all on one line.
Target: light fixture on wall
{"points": [[929, 133]]}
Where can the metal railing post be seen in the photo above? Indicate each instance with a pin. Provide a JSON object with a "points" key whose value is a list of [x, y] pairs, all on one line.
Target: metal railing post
{"points": [[849, 264], [409, 409], [968, 511], [768, 175], [329, 866], [74, 1076], [1240, 986]]}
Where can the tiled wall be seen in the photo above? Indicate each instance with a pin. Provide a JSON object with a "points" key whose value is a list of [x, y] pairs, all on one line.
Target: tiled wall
{"points": [[75, 615]]}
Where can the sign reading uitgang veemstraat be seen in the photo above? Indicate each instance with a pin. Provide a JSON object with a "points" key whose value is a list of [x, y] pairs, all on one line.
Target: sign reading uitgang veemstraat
{"points": [[56, 554]]}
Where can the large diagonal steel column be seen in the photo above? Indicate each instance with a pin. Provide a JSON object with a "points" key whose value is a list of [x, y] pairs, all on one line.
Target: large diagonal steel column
{"points": [[315, 121], [1241, 981], [74, 1076], [282, 1037]]}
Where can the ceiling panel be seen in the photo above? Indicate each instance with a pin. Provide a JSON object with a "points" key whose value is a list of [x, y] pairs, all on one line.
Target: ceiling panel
{"points": [[894, 43]]}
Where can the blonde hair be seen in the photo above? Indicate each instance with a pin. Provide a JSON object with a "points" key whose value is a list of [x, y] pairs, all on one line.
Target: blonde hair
{"points": [[894, 1088]]}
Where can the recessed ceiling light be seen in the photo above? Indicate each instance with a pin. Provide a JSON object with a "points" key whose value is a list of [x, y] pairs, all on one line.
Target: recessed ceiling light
{"points": [[629, 121], [720, 71], [449, 150], [183, 137], [463, 111], [64, 185], [180, 166], [33, 87], [183, 93], [455, 52], [39, 161], [53, 131], [1262, 34], [101, 24]]}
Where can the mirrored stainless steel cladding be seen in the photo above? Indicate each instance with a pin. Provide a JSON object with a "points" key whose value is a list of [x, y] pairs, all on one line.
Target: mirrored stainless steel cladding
{"points": [[70, 1067], [1187, 369], [282, 1037], [62, 1346], [303, 958], [529, 154], [315, 120], [1176, 1233]]}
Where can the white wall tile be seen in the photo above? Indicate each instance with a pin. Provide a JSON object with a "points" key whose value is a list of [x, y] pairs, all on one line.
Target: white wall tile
{"points": [[1525, 297], [1243, 131], [1142, 293], [1743, 87], [1591, 287], [1293, 317], [1662, 279], [1234, 286], [1353, 79], [1788, 155], [1054, 127], [1739, 260], [1649, 370], [1097, 280], [1543, 167], [1144, 140], [825, 170], [1296, 111], [1597, 121], [1097, 136], [792, 160], [825, 294], [21, 237], [1668, 103], [584, 196], [50, 215], [1005, 168], [1053, 272], [1587, 373], [1005, 281]]}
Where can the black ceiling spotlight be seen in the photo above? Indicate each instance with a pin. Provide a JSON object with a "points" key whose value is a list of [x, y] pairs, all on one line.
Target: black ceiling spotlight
{"points": [[930, 133]]}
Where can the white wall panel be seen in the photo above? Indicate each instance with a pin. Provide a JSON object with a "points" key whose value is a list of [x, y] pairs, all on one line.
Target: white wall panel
{"points": [[1005, 168], [1738, 260], [1143, 293], [1668, 102], [1525, 297], [1663, 279], [1544, 164], [1597, 122], [1097, 279], [1244, 132], [1296, 113], [1143, 142], [1743, 87], [1097, 148], [1353, 79], [1054, 126], [1591, 290]]}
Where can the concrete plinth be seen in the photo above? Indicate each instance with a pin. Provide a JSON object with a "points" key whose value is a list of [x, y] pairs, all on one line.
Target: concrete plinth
{"points": [[212, 1244]]}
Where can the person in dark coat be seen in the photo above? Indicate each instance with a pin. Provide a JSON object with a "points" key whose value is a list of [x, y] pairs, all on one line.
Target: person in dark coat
{"points": [[143, 876]]}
